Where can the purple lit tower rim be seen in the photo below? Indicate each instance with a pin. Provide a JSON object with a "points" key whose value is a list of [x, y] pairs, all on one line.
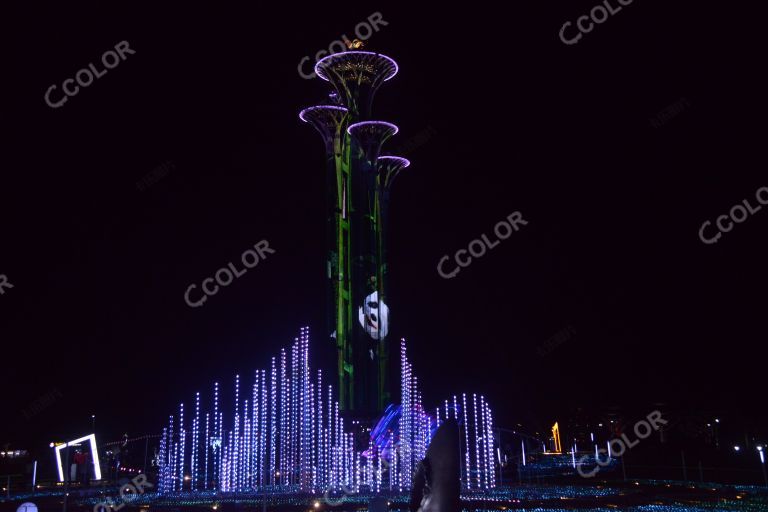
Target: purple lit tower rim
{"points": [[389, 167], [323, 63], [398, 161], [371, 135], [325, 119], [356, 76], [363, 124], [316, 108]]}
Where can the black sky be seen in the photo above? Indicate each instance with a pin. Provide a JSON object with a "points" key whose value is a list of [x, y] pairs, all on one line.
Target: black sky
{"points": [[519, 122]]}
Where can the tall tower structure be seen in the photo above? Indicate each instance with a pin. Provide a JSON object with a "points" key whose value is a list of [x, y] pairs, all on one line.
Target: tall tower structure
{"points": [[359, 181]]}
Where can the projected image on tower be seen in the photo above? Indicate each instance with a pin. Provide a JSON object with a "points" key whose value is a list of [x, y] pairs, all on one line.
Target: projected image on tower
{"points": [[374, 317]]}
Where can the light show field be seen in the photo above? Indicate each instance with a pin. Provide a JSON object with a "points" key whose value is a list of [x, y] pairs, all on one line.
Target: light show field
{"points": [[632, 497]]}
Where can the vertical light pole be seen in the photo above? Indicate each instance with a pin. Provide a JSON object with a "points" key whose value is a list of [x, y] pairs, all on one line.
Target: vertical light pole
{"points": [[93, 423], [717, 432], [264, 503], [762, 463], [67, 475], [623, 467], [146, 450], [685, 470], [498, 452]]}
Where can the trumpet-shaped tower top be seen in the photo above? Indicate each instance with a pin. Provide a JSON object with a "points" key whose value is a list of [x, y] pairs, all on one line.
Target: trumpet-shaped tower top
{"points": [[371, 135], [389, 167], [326, 119], [361, 66], [356, 76]]}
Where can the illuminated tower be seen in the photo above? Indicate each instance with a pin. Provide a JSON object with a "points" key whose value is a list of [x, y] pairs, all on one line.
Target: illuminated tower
{"points": [[358, 188], [556, 438]]}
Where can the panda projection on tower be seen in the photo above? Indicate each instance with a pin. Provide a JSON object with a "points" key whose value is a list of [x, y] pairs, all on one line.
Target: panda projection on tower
{"points": [[374, 317]]}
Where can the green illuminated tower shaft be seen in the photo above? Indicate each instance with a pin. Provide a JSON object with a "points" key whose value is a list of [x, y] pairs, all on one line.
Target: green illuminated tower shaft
{"points": [[358, 191]]}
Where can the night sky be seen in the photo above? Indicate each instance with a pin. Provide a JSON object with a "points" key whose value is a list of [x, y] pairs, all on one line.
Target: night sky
{"points": [[515, 120]]}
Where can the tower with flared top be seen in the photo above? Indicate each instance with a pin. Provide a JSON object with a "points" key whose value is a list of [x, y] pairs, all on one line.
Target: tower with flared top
{"points": [[359, 180]]}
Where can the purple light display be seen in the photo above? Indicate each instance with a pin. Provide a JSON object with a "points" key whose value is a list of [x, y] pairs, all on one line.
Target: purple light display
{"points": [[287, 436]]}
